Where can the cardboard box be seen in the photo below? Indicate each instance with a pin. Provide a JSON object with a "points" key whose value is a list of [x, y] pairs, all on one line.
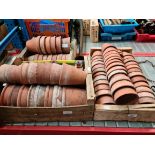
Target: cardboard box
{"points": [[86, 27], [94, 30]]}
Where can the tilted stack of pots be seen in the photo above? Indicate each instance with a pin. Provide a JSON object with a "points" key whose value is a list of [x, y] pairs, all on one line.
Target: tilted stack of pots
{"points": [[139, 81], [42, 96], [124, 77], [101, 85], [42, 73], [47, 74], [49, 45]]}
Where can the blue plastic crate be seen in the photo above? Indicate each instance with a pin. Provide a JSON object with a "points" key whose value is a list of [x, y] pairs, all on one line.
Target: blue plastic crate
{"points": [[117, 29], [123, 37]]}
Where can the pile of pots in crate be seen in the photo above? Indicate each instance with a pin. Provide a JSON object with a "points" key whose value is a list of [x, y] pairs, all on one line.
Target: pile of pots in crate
{"points": [[49, 45], [48, 92], [118, 78]]}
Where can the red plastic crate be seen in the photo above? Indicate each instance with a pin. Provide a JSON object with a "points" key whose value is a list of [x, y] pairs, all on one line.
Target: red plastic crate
{"points": [[144, 37]]}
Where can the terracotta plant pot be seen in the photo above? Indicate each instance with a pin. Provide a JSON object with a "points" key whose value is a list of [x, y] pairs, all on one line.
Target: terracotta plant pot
{"points": [[48, 45], [102, 87], [97, 57], [138, 79], [146, 100], [75, 96], [31, 46], [106, 46], [103, 93], [120, 68], [105, 100], [72, 76], [111, 53], [134, 70], [144, 89], [99, 73], [19, 96], [31, 97], [126, 95], [140, 83], [100, 77], [53, 45], [99, 82], [50, 95], [97, 53], [112, 58], [113, 65], [24, 71], [113, 61], [66, 45], [133, 74], [40, 96], [145, 94], [42, 44], [3, 69], [97, 66], [58, 45], [32, 73], [132, 66], [23, 97], [98, 70]]}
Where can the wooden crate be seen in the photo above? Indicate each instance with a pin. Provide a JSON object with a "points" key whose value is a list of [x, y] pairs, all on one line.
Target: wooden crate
{"points": [[25, 53], [142, 112], [39, 114]]}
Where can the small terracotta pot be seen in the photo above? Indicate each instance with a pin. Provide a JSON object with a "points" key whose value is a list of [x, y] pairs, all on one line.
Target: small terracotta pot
{"points": [[96, 60], [144, 89], [54, 58], [59, 57], [145, 94], [3, 69], [129, 60], [102, 87], [53, 45], [31, 97], [105, 100], [118, 77], [55, 73], [54, 97], [97, 66], [121, 68], [112, 58], [109, 53], [99, 82], [36, 57], [23, 97], [57, 97], [40, 96], [126, 54], [50, 95], [24, 71], [121, 84], [45, 57], [134, 70], [31, 46], [75, 96], [37, 44], [40, 57], [115, 64], [58, 45], [48, 45], [8, 73], [140, 83], [32, 73], [146, 100], [97, 57], [131, 63], [98, 70], [64, 57], [110, 75], [126, 95], [31, 58], [49, 57], [99, 73], [96, 63], [19, 96], [138, 79], [97, 53], [133, 74], [14, 95], [132, 66], [102, 93], [112, 61], [100, 77], [68, 78], [107, 46], [66, 45], [42, 44]]}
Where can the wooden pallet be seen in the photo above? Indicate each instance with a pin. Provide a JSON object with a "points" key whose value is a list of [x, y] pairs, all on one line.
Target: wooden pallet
{"points": [[142, 112], [39, 114], [25, 53]]}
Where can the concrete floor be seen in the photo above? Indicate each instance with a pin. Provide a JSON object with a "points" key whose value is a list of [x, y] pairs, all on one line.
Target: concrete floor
{"points": [[148, 70]]}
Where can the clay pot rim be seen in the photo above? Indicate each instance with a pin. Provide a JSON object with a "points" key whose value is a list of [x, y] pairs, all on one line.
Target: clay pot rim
{"points": [[112, 65], [121, 68], [106, 46], [42, 44], [105, 96], [48, 45], [100, 82], [116, 72], [108, 63], [98, 53], [146, 89], [99, 93], [112, 58], [145, 94], [53, 44]]}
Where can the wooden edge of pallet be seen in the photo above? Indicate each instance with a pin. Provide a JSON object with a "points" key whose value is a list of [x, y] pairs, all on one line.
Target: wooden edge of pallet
{"points": [[126, 49]]}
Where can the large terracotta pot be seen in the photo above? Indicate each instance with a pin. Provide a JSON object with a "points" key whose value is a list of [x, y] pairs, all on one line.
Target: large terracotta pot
{"points": [[72, 76], [75, 96]]}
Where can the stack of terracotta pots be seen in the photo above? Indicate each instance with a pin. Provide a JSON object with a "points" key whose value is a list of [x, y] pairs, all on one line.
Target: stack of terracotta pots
{"points": [[42, 73], [101, 85], [139, 81], [124, 79], [42, 96], [49, 45], [50, 57]]}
